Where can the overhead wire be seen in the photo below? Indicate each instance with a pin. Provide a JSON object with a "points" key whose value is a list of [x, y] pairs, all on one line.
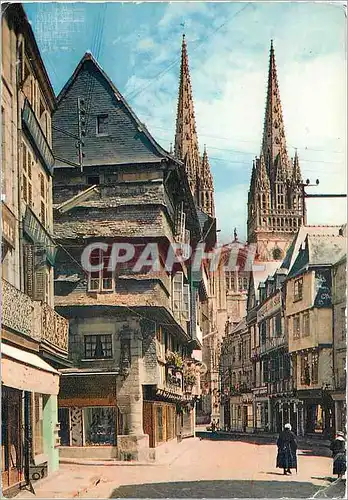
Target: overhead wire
{"points": [[138, 91]]}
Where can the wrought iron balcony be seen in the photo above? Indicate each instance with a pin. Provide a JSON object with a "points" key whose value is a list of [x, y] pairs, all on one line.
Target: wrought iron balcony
{"points": [[17, 310], [32, 318]]}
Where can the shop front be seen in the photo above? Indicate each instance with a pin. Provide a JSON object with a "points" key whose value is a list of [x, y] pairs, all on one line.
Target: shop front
{"points": [[88, 415], [318, 412], [29, 417], [287, 410]]}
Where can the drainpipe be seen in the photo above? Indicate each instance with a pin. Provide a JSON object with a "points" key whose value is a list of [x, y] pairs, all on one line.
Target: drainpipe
{"points": [[27, 437]]}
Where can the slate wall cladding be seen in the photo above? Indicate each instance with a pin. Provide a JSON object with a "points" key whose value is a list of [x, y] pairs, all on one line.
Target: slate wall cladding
{"points": [[125, 141], [148, 330], [125, 221]]}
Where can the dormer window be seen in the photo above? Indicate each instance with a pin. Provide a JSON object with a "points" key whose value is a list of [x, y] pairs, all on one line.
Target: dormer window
{"points": [[102, 125]]}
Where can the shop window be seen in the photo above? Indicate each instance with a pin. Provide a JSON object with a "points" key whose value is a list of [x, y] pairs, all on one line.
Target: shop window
{"points": [[100, 426], [298, 289], [102, 280], [98, 346], [315, 362], [305, 373], [103, 125]]}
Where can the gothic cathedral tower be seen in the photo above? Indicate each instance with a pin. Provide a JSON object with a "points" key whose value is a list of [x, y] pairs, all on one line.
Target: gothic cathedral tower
{"points": [[186, 143], [275, 200]]}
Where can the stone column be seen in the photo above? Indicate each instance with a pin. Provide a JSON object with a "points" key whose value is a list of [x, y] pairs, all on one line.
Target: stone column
{"points": [[50, 431], [269, 423], [133, 444]]}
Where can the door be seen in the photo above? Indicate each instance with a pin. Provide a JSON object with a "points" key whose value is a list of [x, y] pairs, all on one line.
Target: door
{"points": [[64, 422], [11, 437]]}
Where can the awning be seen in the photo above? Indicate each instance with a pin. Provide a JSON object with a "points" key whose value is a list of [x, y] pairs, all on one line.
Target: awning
{"points": [[27, 371]]}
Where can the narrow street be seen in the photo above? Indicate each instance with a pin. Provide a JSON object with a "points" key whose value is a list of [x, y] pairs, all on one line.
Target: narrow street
{"points": [[204, 469]]}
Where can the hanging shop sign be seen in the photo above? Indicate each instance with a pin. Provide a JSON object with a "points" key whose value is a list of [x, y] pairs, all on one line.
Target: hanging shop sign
{"points": [[38, 234], [270, 307]]}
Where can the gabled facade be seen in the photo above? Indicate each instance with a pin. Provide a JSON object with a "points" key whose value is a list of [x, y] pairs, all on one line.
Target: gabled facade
{"points": [[132, 330], [34, 338], [310, 328], [275, 199]]}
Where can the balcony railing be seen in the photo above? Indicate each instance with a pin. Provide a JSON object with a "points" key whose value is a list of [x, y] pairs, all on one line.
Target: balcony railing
{"points": [[280, 386], [272, 343], [32, 318]]}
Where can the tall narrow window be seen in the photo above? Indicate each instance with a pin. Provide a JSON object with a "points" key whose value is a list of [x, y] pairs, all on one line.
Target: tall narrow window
{"points": [[102, 125], [102, 280], [296, 327], [186, 302], [298, 289], [305, 324]]}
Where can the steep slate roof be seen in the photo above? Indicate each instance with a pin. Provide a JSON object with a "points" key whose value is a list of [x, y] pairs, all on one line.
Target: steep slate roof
{"points": [[129, 142], [300, 237], [269, 268], [319, 251]]}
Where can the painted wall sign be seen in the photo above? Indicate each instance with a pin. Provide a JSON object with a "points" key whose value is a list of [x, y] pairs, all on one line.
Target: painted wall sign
{"points": [[323, 285], [270, 307], [8, 230]]}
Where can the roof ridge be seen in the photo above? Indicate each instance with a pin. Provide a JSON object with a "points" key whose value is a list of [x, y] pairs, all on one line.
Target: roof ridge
{"points": [[88, 56]]}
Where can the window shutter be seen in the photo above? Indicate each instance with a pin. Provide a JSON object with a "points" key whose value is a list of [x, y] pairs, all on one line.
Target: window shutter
{"points": [[28, 257], [40, 284]]}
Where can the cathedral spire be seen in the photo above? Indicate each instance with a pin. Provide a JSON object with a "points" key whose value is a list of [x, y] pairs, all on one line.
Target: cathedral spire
{"points": [[205, 186], [186, 141], [296, 172], [273, 142]]}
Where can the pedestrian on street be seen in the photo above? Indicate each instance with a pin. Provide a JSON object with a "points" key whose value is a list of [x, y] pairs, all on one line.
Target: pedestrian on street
{"points": [[287, 447], [213, 425], [338, 448]]}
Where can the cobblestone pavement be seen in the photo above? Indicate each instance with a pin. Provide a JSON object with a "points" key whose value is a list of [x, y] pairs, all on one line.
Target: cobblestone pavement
{"points": [[204, 469]]}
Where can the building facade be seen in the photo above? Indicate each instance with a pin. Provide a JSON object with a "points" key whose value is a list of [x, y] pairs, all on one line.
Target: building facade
{"points": [[133, 327], [339, 304], [34, 338], [309, 318]]}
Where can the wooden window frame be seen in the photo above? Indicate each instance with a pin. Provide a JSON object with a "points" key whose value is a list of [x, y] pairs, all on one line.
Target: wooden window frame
{"points": [[106, 345], [298, 289], [99, 117], [99, 277]]}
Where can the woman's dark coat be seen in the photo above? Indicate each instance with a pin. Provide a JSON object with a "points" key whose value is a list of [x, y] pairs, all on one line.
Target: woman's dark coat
{"points": [[338, 448], [287, 446]]}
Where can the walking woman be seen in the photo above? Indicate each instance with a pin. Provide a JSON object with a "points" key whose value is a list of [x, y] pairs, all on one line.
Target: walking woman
{"points": [[287, 447], [338, 448]]}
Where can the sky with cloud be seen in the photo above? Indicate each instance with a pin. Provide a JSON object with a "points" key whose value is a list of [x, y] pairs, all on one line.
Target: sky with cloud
{"points": [[139, 46]]}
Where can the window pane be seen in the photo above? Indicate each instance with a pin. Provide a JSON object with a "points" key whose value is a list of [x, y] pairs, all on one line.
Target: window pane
{"points": [[100, 426], [98, 346], [102, 124]]}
